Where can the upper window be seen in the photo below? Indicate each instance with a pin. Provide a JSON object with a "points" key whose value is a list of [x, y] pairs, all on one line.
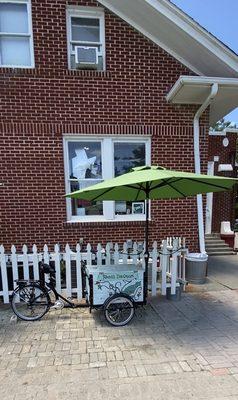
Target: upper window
{"points": [[86, 38], [16, 43], [91, 160]]}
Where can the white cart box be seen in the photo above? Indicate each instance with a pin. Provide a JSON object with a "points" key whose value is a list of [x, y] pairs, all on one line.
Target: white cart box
{"points": [[110, 279]]}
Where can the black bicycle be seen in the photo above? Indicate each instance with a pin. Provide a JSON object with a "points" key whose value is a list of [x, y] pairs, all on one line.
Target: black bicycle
{"points": [[31, 300]]}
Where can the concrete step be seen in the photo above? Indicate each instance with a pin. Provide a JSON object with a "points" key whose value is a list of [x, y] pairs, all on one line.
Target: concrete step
{"points": [[221, 253], [216, 243], [214, 240], [212, 249], [212, 235]]}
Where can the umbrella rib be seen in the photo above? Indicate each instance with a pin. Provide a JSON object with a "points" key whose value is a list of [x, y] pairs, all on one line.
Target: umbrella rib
{"points": [[170, 184], [206, 183], [140, 187], [133, 187], [102, 194], [164, 182]]}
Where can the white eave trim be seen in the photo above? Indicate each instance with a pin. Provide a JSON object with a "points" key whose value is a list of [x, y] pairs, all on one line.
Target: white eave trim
{"points": [[187, 25], [199, 81], [195, 30], [153, 38]]}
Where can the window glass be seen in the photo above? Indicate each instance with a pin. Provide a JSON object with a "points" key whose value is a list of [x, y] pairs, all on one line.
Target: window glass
{"points": [[13, 18], [85, 29], [85, 169], [126, 157], [90, 161], [15, 51]]}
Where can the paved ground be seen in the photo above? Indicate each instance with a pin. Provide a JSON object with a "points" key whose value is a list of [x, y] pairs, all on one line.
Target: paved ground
{"points": [[224, 270], [171, 350]]}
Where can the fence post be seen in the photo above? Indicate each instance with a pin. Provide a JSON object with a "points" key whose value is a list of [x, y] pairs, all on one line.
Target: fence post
{"points": [[4, 275]]}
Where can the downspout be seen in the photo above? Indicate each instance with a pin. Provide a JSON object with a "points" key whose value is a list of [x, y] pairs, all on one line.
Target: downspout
{"points": [[197, 161]]}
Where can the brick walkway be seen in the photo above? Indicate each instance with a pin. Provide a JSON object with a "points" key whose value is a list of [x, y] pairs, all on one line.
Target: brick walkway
{"points": [[171, 350]]}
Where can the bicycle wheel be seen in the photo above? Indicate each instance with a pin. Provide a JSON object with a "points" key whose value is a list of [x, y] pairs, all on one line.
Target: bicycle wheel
{"points": [[119, 309], [30, 302]]}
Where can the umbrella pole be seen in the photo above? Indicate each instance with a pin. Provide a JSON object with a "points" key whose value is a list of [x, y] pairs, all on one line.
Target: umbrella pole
{"points": [[146, 247]]}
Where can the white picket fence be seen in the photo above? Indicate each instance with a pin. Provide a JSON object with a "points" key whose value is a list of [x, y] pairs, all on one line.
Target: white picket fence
{"points": [[24, 265]]}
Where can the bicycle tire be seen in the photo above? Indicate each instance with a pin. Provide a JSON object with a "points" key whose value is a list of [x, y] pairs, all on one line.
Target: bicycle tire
{"points": [[30, 302], [119, 309]]}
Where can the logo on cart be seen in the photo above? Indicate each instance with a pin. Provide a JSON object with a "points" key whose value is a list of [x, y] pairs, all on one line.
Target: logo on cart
{"points": [[128, 283]]}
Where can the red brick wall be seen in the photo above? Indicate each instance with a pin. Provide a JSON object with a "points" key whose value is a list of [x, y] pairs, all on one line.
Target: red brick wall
{"points": [[223, 203], [39, 106]]}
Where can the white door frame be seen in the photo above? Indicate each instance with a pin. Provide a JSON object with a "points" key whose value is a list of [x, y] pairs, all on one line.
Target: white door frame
{"points": [[209, 203]]}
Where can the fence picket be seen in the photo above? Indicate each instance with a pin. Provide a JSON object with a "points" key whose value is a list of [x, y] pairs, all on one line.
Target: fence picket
{"points": [[134, 253], [108, 254], [174, 267], [15, 274], [79, 272], [116, 254], [163, 263], [99, 254], [35, 262], [46, 256], [57, 258], [89, 254], [25, 262], [68, 270], [124, 254], [4, 275], [154, 256]]}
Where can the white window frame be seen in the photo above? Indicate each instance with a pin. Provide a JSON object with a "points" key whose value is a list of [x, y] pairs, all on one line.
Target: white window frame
{"points": [[107, 154], [86, 12], [27, 35]]}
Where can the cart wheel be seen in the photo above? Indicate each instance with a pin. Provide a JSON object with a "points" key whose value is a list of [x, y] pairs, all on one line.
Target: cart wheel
{"points": [[119, 309]]}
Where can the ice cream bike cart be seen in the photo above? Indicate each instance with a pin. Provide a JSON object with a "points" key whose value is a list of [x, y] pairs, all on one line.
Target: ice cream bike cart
{"points": [[118, 289]]}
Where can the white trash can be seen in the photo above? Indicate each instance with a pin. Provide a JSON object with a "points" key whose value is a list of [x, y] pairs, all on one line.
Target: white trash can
{"points": [[196, 268]]}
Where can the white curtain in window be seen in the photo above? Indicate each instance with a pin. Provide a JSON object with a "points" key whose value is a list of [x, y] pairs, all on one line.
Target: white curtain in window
{"points": [[15, 51], [13, 18]]}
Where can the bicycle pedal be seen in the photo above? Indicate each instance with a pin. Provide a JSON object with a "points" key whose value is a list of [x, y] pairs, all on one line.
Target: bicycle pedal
{"points": [[58, 305]]}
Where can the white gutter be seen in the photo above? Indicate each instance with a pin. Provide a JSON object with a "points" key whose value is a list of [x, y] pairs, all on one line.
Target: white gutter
{"points": [[197, 161]]}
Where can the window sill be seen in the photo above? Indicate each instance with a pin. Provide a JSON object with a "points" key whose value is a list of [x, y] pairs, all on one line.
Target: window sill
{"points": [[17, 70], [77, 223]]}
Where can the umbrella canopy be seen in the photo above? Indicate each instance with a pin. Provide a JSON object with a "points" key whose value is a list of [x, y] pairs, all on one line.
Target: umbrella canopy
{"points": [[154, 182], [150, 183]]}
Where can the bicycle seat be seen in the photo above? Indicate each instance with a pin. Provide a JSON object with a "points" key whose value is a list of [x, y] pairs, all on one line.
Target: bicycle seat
{"points": [[47, 268]]}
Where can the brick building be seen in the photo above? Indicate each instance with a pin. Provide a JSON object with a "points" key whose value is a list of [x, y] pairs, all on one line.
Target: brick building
{"points": [[89, 89]]}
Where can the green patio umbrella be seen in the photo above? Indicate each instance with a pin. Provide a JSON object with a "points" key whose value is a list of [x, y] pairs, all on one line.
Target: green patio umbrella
{"points": [[151, 183]]}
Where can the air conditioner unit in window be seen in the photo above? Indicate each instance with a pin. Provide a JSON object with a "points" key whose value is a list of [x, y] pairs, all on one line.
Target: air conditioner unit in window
{"points": [[86, 57]]}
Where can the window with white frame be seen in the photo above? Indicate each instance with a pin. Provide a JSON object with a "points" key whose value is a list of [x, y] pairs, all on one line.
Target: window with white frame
{"points": [[89, 160], [86, 38], [16, 42]]}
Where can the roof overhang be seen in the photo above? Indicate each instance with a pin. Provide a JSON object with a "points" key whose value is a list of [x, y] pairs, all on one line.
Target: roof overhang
{"points": [[196, 89], [173, 30]]}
